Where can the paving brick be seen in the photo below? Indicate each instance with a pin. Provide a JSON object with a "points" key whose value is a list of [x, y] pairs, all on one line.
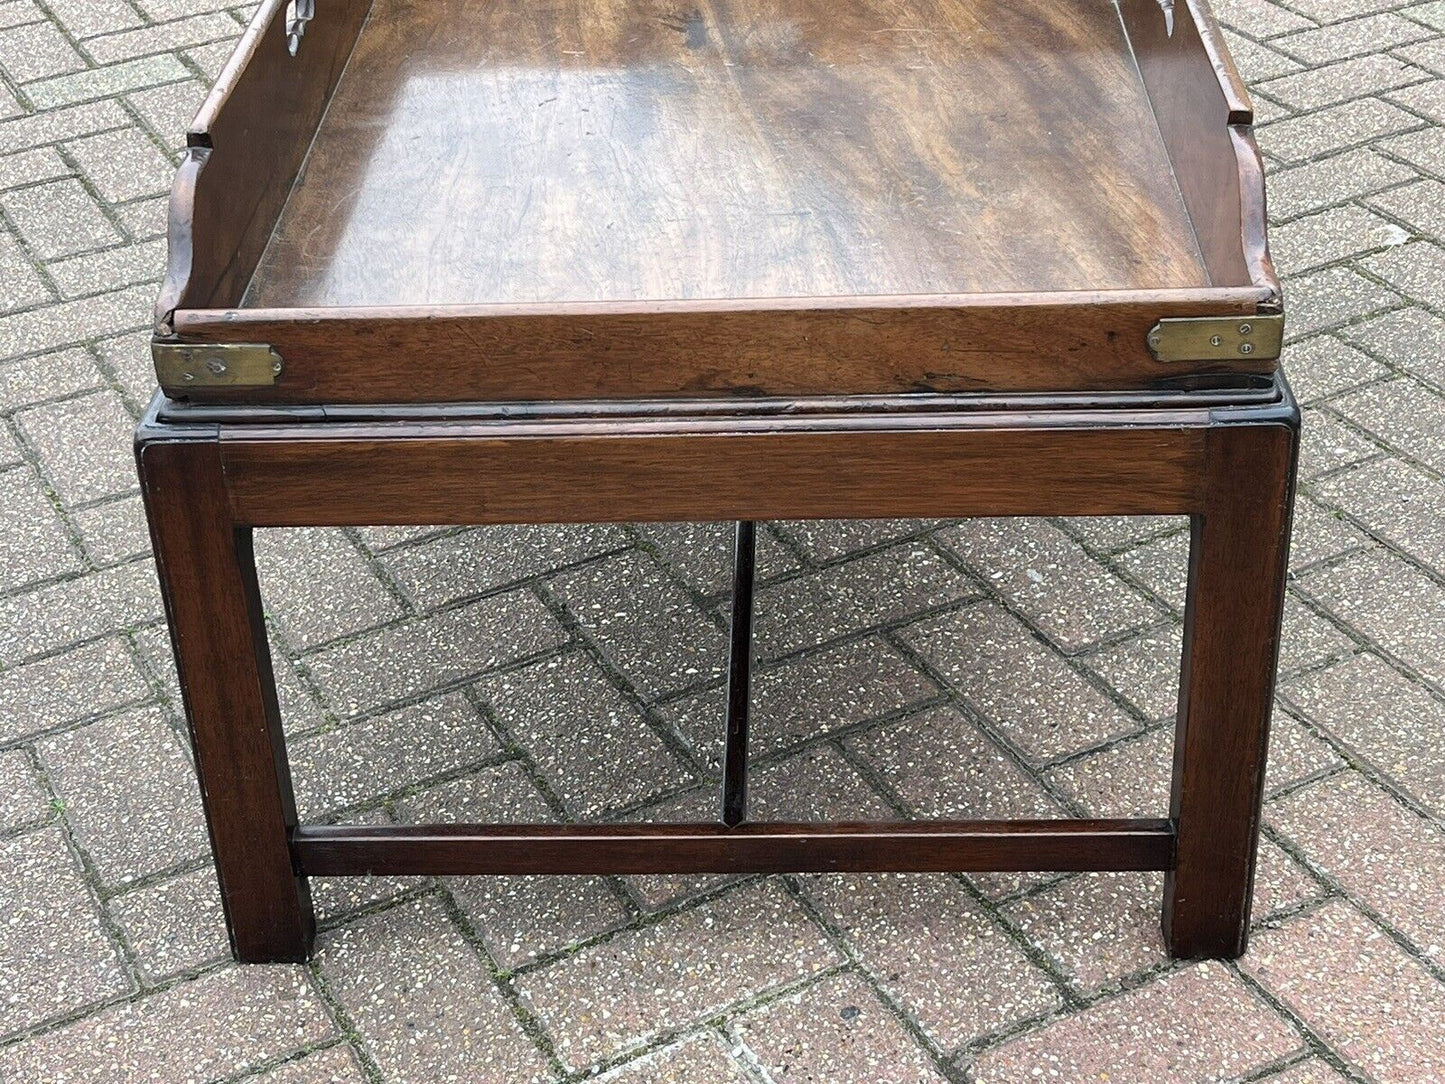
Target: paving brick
{"points": [[1144, 670], [595, 749], [130, 794], [1100, 928], [1427, 98], [1327, 444], [1050, 579], [1340, 177], [615, 995], [461, 565], [1307, 1072], [33, 531], [884, 587], [111, 269], [1422, 149], [16, 12], [1351, 38], [333, 1065], [318, 586], [1319, 87], [23, 285], [1388, 721], [22, 799], [1386, 855], [113, 532], [1308, 639], [74, 685], [58, 219], [1388, 601], [337, 898], [173, 926], [145, 220], [49, 618], [942, 766], [1260, 17], [58, 125], [1296, 753], [804, 698], [346, 766], [32, 167], [1354, 987], [31, 380], [702, 553], [35, 50], [817, 784], [212, 1027], [1420, 205], [829, 539], [1023, 688], [644, 623], [1320, 534], [129, 358], [1281, 885], [834, 1030], [1428, 54], [519, 918], [54, 952], [92, 83], [424, 1004], [87, 18], [1330, 236], [154, 39], [169, 109], [924, 938], [701, 1058], [426, 654], [1326, 299], [83, 445], [1297, 139], [73, 322], [1256, 61], [1398, 503], [1418, 271], [1131, 779], [1197, 1022], [1162, 566], [1114, 533]]}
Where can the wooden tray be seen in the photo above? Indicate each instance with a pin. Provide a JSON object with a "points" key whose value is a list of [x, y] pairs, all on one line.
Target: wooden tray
{"points": [[498, 200]]}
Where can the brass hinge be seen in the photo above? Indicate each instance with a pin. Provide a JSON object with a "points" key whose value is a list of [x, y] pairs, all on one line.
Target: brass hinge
{"points": [[1217, 338], [215, 365]]}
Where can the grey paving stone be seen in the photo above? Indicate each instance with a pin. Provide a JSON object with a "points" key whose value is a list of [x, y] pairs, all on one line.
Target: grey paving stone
{"points": [[1339, 177], [54, 952], [346, 766], [1196, 1022], [173, 926], [128, 357], [123, 265], [92, 83], [519, 918], [1427, 98], [817, 784], [1130, 779], [804, 698], [1026, 690], [594, 748], [461, 565], [1281, 885], [1412, 339], [942, 766], [1388, 601], [168, 109], [87, 18], [613, 996], [1296, 753], [835, 1030], [48, 618], [924, 938], [113, 532], [1307, 1072], [58, 219], [1327, 444], [332, 1065], [154, 39], [1256, 61], [1113, 533], [125, 164], [1162, 566], [23, 285], [64, 688], [1388, 721], [1144, 670], [31, 380], [692, 1061], [1320, 534], [22, 799], [1420, 205], [73, 322], [35, 50], [1308, 639], [31, 167], [57, 125], [130, 794], [1397, 502], [84, 445], [1351, 38], [1325, 299], [212, 1027], [1416, 270], [1332, 235], [1422, 149], [1319, 87], [32, 531], [644, 623], [1356, 989], [1297, 139], [423, 1002], [318, 587], [1099, 928], [884, 587], [1050, 579], [829, 539], [426, 653], [702, 553], [1260, 17]]}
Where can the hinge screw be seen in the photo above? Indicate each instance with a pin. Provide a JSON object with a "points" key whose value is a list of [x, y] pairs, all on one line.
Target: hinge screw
{"points": [[1215, 340], [276, 366], [1245, 329], [216, 366], [1246, 348]]}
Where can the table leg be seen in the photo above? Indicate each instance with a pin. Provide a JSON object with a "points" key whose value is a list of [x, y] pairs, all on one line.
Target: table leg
{"points": [[208, 577], [1237, 561]]}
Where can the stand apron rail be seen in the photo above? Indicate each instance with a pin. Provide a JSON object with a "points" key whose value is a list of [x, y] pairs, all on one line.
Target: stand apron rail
{"points": [[210, 475]]}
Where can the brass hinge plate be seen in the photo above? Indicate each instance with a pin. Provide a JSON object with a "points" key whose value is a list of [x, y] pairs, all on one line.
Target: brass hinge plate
{"points": [[215, 365], [1217, 338]]}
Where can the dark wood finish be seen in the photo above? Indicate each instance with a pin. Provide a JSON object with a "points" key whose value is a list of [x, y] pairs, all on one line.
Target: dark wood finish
{"points": [[740, 669], [1237, 563], [921, 847], [1205, 116], [208, 577], [717, 469], [244, 151]]}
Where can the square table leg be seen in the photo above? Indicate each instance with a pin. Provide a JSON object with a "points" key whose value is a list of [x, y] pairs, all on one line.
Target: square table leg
{"points": [[1238, 554], [208, 577]]}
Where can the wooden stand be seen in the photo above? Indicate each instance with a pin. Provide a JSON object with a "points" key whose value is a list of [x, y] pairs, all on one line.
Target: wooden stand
{"points": [[210, 476]]}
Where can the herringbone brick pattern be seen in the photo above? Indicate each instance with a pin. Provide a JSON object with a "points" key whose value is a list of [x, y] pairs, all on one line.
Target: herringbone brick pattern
{"points": [[988, 668]]}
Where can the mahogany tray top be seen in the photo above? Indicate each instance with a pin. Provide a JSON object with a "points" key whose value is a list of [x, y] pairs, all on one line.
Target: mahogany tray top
{"points": [[491, 200]]}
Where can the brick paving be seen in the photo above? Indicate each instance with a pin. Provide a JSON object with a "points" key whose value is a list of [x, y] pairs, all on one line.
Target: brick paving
{"points": [[987, 668]]}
